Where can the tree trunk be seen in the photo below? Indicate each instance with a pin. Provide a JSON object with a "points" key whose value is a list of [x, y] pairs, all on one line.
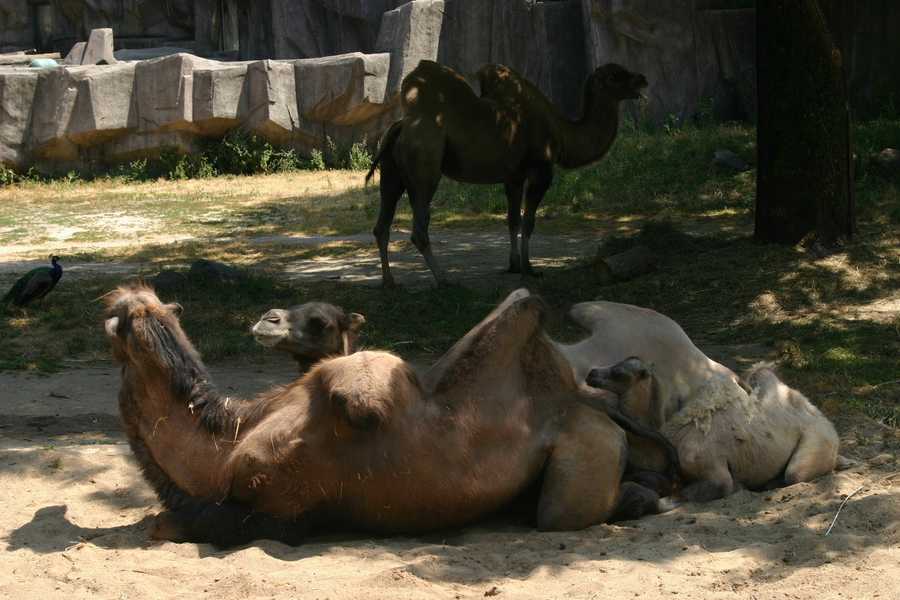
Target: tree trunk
{"points": [[804, 177]]}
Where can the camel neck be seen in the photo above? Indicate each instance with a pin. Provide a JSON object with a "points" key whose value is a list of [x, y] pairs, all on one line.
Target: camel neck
{"points": [[186, 434], [589, 138]]}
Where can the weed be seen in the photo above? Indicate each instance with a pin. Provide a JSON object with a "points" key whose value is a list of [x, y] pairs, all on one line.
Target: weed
{"points": [[317, 160]]}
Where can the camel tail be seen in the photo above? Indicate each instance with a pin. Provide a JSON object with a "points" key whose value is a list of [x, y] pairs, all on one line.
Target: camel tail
{"points": [[387, 143]]}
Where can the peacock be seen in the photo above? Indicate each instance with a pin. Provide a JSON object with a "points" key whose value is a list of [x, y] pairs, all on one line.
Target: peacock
{"points": [[35, 284]]}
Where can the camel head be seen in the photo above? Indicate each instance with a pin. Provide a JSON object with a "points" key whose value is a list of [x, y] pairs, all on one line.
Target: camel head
{"points": [[616, 81], [143, 331], [309, 331], [633, 382]]}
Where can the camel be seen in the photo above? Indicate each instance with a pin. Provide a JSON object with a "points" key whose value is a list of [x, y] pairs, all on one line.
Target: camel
{"points": [[309, 332], [360, 441], [728, 438], [511, 135]]}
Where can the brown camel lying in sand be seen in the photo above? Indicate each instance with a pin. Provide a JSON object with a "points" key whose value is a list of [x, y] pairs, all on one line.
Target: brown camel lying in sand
{"points": [[309, 332], [511, 134], [359, 441], [727, 437]]}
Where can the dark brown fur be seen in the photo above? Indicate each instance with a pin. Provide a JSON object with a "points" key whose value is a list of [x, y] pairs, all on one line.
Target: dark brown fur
{"points": [[511, 135]]}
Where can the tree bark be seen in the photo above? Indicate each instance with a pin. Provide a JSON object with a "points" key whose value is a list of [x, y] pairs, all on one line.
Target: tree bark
{"points": [[804, 176]]}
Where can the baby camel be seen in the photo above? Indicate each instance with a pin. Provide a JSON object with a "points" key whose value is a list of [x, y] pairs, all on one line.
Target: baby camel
{"points": [[726, 437], [359, 441]]}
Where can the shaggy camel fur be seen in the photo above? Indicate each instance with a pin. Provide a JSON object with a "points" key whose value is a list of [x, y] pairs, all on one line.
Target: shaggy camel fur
{"points": [[728, 438], [360, 442], [511, 135], [309, 332]]}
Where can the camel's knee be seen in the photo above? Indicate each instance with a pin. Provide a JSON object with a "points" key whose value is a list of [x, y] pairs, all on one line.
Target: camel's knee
{"points": [[634, 502], [808, 465], [710, 480]]}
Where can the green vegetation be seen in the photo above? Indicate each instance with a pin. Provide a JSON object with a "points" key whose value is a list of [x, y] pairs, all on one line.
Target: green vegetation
{"points": [[832, 322], [238, 153]]}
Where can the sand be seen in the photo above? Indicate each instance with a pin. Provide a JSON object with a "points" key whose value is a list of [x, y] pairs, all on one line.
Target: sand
{"points": [[74, 515]]}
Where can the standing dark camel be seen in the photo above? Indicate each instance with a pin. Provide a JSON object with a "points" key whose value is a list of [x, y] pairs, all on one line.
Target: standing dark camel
{"points": [[511, 135]]}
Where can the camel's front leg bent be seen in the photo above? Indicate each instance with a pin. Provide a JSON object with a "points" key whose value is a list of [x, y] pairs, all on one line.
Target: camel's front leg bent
{"points": [[583, 474]]}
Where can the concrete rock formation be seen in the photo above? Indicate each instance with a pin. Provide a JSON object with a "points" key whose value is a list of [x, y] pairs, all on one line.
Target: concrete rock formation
{"points": [[333, 67], [67, 117]]}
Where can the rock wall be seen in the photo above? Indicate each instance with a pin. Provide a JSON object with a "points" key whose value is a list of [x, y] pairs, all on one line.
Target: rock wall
{"points": [[318, 68], [69, 117], [690, 56], [542, 40]]}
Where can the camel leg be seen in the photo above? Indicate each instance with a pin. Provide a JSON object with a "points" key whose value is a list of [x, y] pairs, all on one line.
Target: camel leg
{"points": [[583, 473], [513, 221], [712, 480], [391, 187], [539, 179], [814, 456], [420, 200]]}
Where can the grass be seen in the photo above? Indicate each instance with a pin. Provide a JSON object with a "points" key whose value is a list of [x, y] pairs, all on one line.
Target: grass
{"points": [[819, 317]]}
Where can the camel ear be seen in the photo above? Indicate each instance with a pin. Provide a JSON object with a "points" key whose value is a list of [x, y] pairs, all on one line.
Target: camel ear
{"points": [[356, 322], [111, 326], [176, 308]]}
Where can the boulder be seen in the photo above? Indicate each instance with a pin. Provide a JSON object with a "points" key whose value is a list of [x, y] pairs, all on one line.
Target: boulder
{"points": [[164, 93], [76, 54], [730, 160], [272, 109], [211, 271], [221, 98], [343, 97], [410, 33], [17, 94], [102, 108], [99, 49], [54, 102], [343, 90]]}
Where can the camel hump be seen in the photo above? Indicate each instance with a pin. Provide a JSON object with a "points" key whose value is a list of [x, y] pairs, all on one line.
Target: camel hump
{"points": [[499, 337], [367, 388]]}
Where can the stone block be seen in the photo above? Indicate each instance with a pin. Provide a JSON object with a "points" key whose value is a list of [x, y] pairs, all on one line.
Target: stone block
{"points": [[221, 98], [76, 54], [54, 102], [272, 110], [164, 92], [17, 93], [410, 33], [103, 107], [99, 49], [344, 89]]}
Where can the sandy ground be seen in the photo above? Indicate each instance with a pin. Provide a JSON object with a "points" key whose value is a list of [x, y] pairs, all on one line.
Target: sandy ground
{"points": [[74, 514], [470, 258]]}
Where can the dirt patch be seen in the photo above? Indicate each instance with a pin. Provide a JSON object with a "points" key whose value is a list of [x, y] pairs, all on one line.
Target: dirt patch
{"points": [[76, 527], [470, 258]]}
